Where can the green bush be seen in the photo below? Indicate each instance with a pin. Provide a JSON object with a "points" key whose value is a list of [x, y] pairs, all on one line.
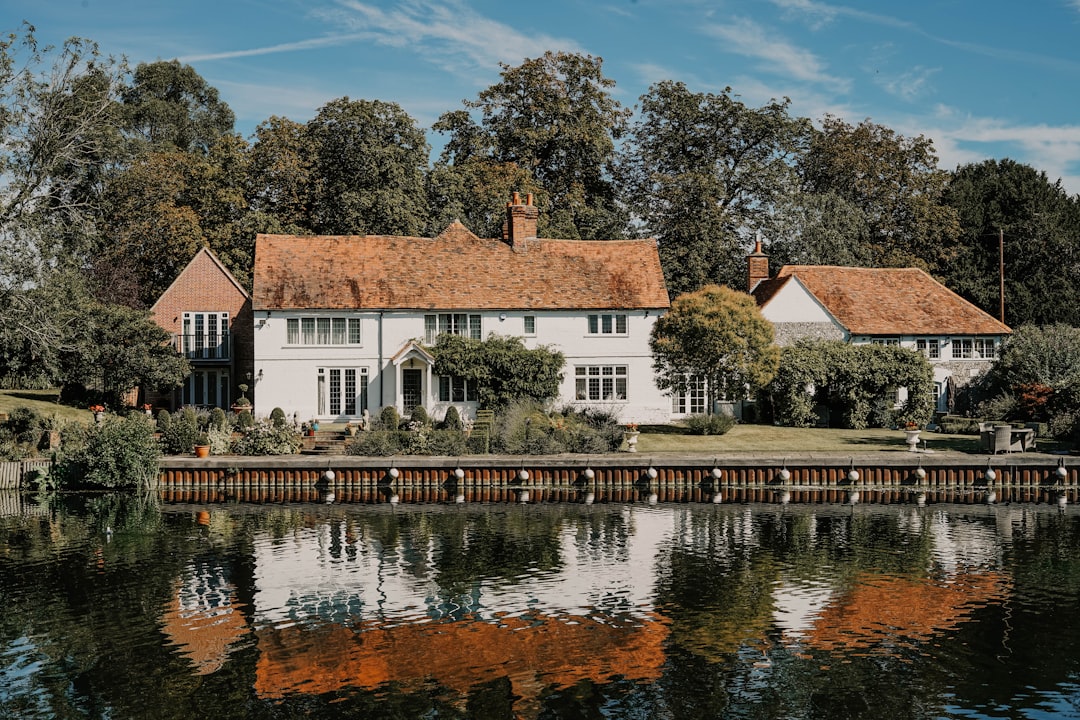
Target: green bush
{"points": [[220, 440], [375, 443], [218, 419], [419, 417], [119, 453], [389, 418], [20, 433], [277, 416], [264, 438], [179, 436], [164, 420], [709, 424], [957, 425], [452, 419], [447, 442], [244, 421]]}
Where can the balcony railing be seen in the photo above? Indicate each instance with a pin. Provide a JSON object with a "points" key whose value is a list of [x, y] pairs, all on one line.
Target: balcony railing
{"points": [[204, 347]]}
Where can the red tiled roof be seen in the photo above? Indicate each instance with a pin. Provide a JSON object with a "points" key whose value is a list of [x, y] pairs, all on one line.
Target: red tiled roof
{"points": [[885, 301], [455, 270]]}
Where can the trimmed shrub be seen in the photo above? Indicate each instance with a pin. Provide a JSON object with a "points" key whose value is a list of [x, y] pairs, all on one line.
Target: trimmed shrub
{"points": [[389, 418], [277, 416], [709, 424], [419, 416], [218, 419], [376, 443], [245, 421], [447, 442], [220, 440], [164, 420], [452, 419]]}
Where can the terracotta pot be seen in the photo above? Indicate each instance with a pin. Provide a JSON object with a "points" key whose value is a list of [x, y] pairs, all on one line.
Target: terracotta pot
{"points": [[202, 451]]}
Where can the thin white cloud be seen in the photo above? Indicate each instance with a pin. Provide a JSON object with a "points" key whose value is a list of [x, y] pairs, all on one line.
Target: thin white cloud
{"points": [[300, 45], [909, 85], [748, 38], [449, 34]]}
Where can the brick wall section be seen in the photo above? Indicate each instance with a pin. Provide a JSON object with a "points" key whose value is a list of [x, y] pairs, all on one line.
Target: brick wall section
{"points": [[205, 285]]}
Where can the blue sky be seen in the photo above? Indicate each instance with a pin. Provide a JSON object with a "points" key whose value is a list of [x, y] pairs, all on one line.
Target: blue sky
{"points": [[982, 78]]}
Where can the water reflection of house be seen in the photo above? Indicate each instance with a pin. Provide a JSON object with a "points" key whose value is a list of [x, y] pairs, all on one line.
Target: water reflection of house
{"points": [[334, 608], [878, 609], [203, 618]]}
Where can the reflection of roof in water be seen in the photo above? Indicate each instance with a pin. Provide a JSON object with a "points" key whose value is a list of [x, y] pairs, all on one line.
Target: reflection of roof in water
{"points": [[537, 652], [891, 610], [204, 630]]}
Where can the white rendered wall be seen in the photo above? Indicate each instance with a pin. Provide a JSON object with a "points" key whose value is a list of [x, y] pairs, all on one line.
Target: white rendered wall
{"points": [[287, 375], [793, 304]]}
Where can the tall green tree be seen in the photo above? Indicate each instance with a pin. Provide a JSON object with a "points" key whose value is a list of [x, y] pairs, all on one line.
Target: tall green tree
{"points": [[280, 172], [718, 334], [168, 106], [895, 183], [1037, 225], [368, 169], [554, 118], [704, 173], [57, 139], [117, 348]]}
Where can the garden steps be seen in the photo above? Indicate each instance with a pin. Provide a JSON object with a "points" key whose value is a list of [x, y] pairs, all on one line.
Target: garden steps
{"points": [[325, 442]]}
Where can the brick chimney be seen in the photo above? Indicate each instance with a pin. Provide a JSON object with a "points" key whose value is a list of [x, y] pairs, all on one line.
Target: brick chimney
{"points": [[757, 266], [520, 224]]}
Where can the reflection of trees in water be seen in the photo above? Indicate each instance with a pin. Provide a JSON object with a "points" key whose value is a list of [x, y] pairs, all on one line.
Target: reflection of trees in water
{"points": [[91, 604]]}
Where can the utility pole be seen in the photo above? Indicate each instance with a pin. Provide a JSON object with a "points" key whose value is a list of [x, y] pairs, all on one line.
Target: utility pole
{"points": [[1001, 275]]}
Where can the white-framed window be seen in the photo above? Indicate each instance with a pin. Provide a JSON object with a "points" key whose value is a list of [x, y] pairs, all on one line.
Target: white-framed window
{"points": [[890, 341], [456, 389], [343, 391], [929, 347], [530, 325], [453, 323], [974, 349], [600, 382], [691, 402], [204, 336], [322, 331], [607, 324], [985, 348]]}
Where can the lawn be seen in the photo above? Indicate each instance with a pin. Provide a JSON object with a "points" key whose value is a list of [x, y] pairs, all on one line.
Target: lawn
{"points": [[44, 401], [772, 439]]}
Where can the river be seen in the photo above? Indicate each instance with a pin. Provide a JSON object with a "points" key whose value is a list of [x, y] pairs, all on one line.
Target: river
{"points": [[121, 606]]}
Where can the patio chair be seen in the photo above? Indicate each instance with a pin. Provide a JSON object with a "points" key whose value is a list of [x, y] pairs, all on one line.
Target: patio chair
{"points": [[1003, 440]]}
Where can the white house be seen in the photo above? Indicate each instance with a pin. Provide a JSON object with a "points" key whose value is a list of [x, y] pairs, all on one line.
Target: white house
{"points": [[891, 306], [343, 323]]}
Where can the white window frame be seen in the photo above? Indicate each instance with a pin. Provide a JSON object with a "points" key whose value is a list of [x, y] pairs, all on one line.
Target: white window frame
{"points": [[929, 347], [601, 383], [608, 324], [323, 331], [457, 389], [962, 349], [694, 401], [204, 335], [530, 325], [464, 324], [888, 341], [334, 397]]}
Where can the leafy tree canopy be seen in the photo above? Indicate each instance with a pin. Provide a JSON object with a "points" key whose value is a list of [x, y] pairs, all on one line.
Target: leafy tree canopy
{"points": [[368, 169], [895, 183], [718, 334], [554, 118], [704, 171], [1038, 225], [170, 107]]}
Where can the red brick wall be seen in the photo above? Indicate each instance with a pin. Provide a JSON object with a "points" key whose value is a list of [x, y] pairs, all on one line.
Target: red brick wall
{"points": [[204, 287]]}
